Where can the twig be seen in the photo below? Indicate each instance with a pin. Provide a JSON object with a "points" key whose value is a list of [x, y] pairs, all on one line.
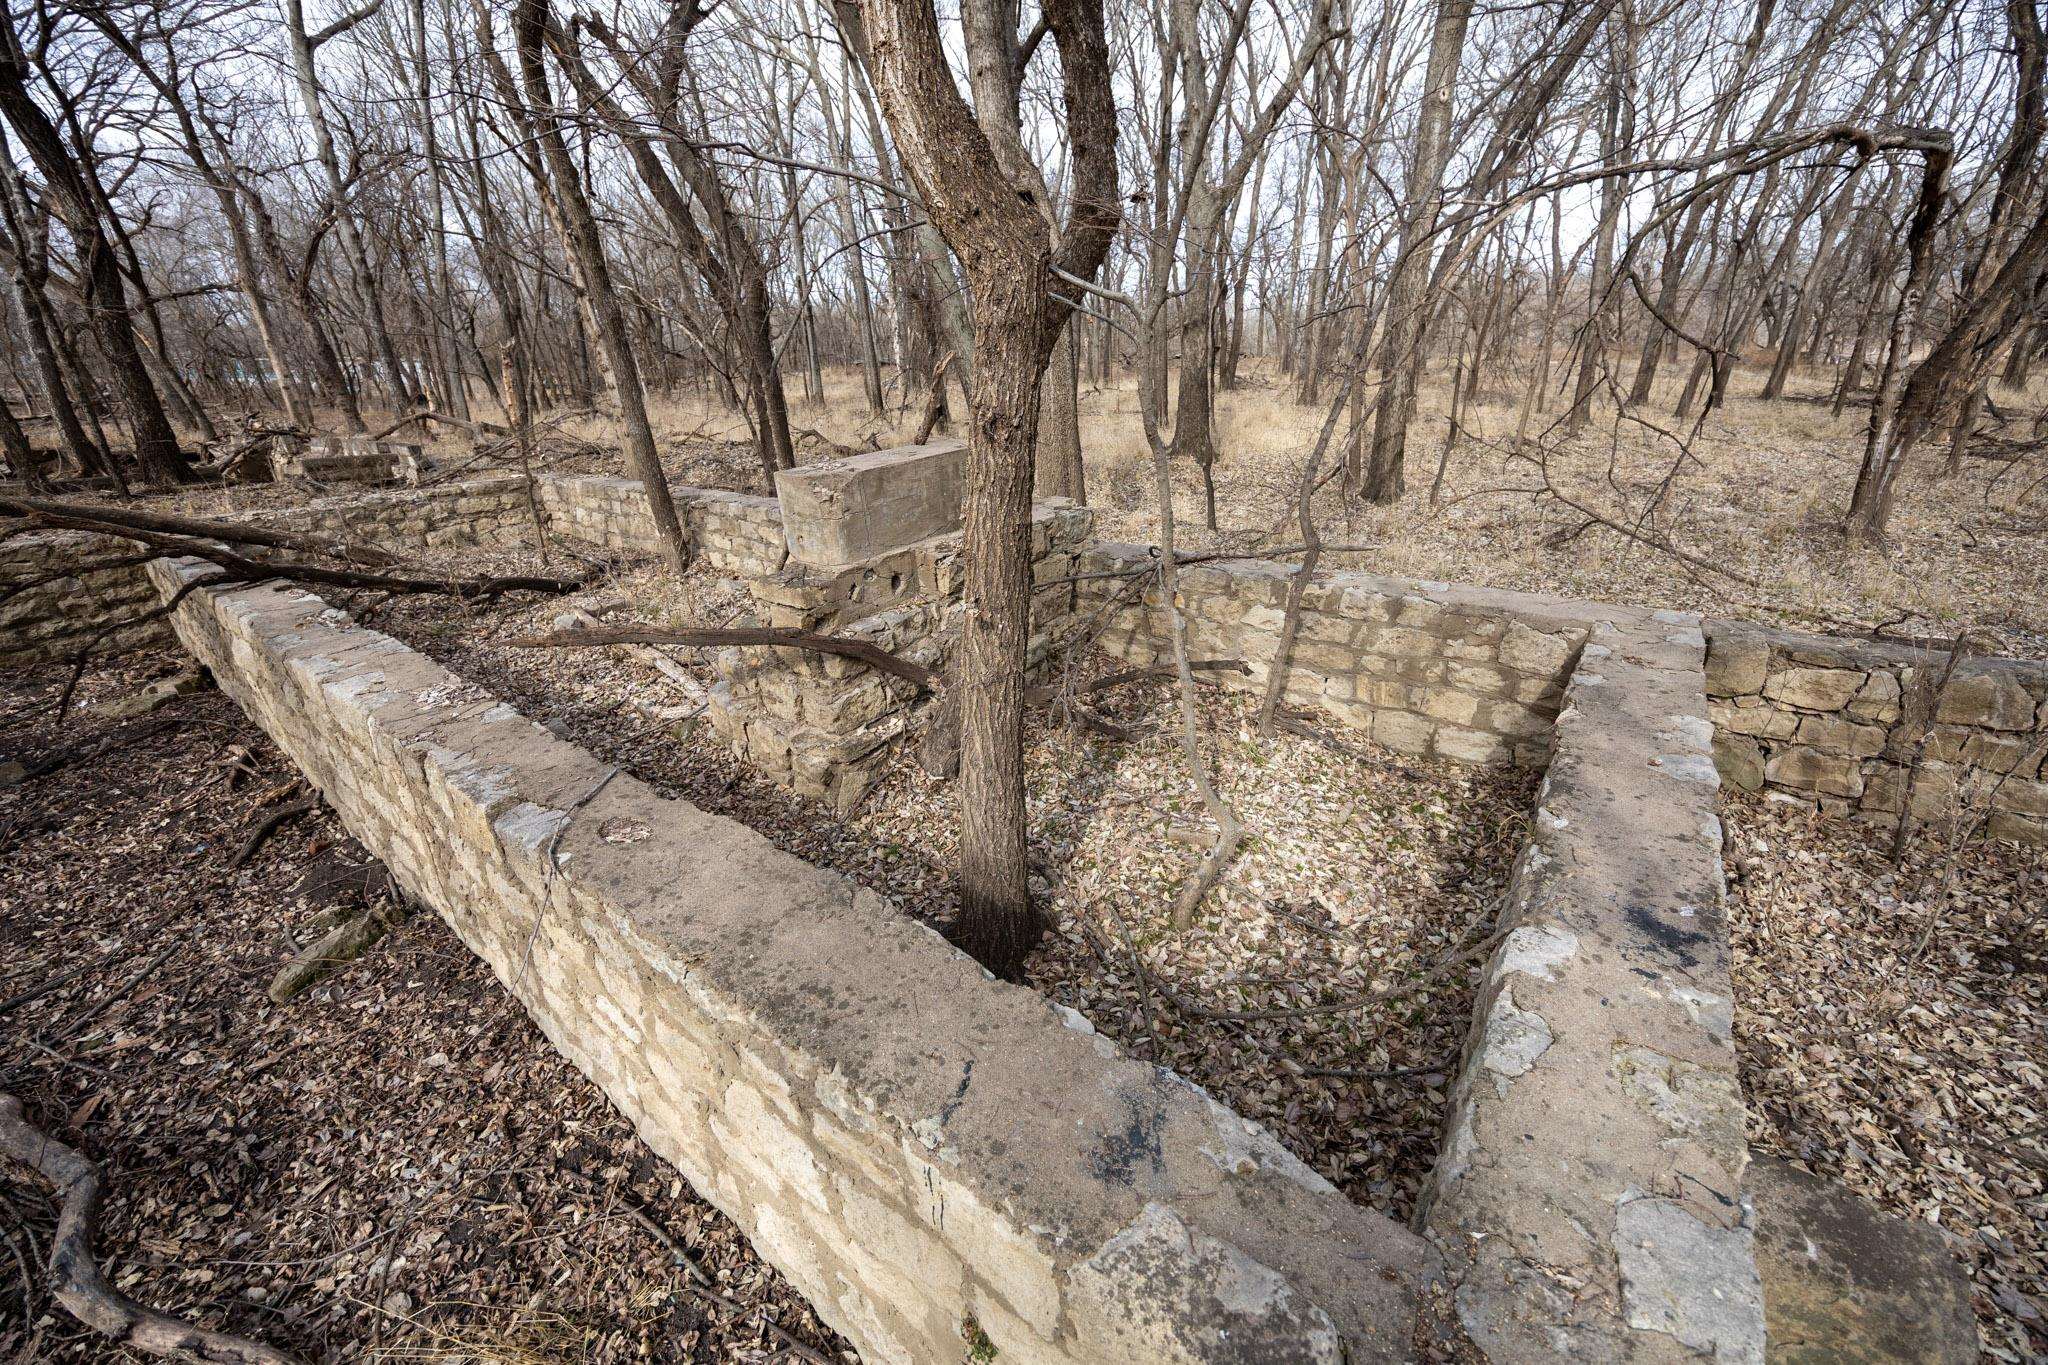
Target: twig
{"points": [[269, 825], [787, 637]]}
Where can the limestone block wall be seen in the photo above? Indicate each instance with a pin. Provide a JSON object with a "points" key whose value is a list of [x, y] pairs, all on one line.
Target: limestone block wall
{"points": [[70, 601], [1429, 669], [490, 512], [53, 620], [1589, 1187], [820, 724], [737, 533], [1840, 723], [914, 1144]]}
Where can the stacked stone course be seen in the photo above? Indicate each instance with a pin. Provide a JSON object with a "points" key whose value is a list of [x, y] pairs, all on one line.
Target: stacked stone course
{"points": [[55, 619], [736, 533], [916, 1145], [1425, 669], [820, 724], [1840, 723]]}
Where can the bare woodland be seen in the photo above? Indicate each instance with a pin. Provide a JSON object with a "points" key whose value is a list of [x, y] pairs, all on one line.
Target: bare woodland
{"points": [[1435, 232]]}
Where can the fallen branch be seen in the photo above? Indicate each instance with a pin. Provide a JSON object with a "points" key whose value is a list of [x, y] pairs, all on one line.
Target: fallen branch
{"points": [[429, 415], [105, 519], [269, 825], [243, 569], [1046, 693], [75, 1277], [685, 682], [783, 637], [333, 950]]}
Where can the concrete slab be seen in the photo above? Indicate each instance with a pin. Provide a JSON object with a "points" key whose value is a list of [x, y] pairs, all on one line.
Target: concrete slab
{"points": [[1844, 1282]]}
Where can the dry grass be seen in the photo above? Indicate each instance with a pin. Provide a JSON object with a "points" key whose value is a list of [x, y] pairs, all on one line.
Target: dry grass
{"points": [[1759, 491]]}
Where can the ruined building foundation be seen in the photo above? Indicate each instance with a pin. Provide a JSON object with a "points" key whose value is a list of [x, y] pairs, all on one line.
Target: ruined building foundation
{"points": [[918, 1146]]}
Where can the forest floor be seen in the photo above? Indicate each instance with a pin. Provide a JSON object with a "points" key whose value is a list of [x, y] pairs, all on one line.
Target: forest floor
{"points": [[1756, 493], [1368, 883], [395, 1167], [1893, 1030]]}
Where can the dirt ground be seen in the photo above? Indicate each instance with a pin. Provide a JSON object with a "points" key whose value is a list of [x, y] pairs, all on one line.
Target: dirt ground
{"points": [[395, 1167], [1893, 1030]]}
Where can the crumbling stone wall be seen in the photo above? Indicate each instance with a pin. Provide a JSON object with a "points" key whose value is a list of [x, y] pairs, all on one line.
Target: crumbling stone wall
{"points": [[914, 1144], [821, 724], [58, 617], [1839, 723], [1428, 669]]}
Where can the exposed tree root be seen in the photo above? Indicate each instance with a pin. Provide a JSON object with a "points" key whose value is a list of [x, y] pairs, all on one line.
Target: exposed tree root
{"points": [[333, 950], [75, 1278], [269, 825]]}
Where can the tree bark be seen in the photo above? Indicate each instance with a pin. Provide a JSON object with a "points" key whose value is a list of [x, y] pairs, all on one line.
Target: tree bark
{"points": [[157, 452]]}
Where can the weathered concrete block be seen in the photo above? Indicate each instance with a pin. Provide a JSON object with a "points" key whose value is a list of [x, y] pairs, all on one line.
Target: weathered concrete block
{"points": [[1879, 699], [1402, 732], [1759, 718], [1834, 735], [1472, 746], [843, 512]]}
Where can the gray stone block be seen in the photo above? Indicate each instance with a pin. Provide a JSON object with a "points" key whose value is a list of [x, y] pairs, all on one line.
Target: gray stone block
{"points": [[1844, 1282], [844, 512]]}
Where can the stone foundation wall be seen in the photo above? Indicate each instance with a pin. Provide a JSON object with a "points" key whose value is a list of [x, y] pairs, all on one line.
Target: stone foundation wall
{"points": [[914, 1144], [1427, 669], [490, 512], [821, 725], [56, 618], [737, 533], [1840, 723], [1590, 1182]]}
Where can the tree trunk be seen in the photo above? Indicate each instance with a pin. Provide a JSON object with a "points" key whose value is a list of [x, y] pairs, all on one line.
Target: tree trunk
{"points": [[157, 452], [577, 228], [1407, 295]]}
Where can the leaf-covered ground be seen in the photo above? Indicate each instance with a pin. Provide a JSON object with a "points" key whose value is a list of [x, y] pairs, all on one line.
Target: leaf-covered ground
{"points": [[1893, 1027], [395, 1167]]}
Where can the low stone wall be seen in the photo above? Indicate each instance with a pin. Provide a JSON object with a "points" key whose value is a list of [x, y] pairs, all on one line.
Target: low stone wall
{"points": [[1428, 669], [70, 602], [1590, 1183], [55, 619], [737, 533], [491, 512], [820, 724], [1841, 723], [915, 1145]]}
